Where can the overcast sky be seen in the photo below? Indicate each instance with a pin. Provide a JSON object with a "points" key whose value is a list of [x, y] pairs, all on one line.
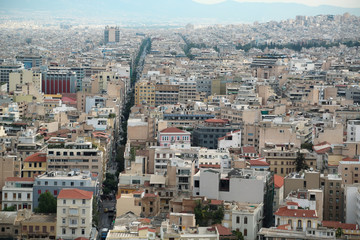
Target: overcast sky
{"points": [[337, 3]]}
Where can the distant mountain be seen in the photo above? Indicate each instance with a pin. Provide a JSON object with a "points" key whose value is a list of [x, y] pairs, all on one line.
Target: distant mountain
{"points": [[158, 11]]}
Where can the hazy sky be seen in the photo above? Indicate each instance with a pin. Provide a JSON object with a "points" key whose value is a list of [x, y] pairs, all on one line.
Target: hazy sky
{"points": [[337, 3], [179, 11]]}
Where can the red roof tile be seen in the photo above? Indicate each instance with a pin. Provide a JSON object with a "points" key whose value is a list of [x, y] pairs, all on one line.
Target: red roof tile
{"points": [[278, 181], [223, 231], [74, 194], [334, 224], [284, 227], [214, 120], [216, 202], [248, 149], [209, 166], [301, 213], [348, 159], [19, 179], [172, 130], [292, 204], [150, 195], [36, 157], [258, 163], [145, 220]]}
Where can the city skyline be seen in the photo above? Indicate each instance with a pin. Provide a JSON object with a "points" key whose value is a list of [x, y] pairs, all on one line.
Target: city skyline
{"points": [[141, 12]]}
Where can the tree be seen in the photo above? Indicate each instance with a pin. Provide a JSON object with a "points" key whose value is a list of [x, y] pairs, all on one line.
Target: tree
{"points": [[10, 209], [300, 162], [47, 203], [238, 235], [205, 216], [339, 232], [308, 146], [110, 184]]}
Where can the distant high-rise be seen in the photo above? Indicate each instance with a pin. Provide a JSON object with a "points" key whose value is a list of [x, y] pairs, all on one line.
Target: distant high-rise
{"points": [[111, 34]]}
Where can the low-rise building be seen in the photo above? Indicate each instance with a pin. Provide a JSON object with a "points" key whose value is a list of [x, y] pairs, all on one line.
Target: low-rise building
{"points": [[18, 192]]}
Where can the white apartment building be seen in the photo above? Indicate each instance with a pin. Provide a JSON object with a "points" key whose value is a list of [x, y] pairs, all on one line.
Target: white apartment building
{"points": [[74, 214], [353, 131], [18, 192], [214, 157], [231, 140], [244, 217]]}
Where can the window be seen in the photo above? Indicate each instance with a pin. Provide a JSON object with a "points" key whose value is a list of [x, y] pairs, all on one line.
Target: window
{"points": [[245, 220], [5, 195], [64, 210], [82, 231], [83, 211], [74, 202], [64, 231], [52, 229], [73, 231], [309, 224], [299, 224], [55, 183], [83, 221], [55, 192], [63, 220], [64, 201], [83, 201], [245, 232], [237, 219]]}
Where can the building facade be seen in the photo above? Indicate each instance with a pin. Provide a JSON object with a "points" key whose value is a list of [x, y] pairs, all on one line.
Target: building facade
{"points": [[74, 214]]}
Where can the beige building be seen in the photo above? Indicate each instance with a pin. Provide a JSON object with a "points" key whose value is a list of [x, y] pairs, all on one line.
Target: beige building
{"points": [[297, 219], [23, 77], [74, 214], [302, 180], [75, 155], [145, 93], [285, 133], [283, 161], [349, 171], [129, 202], [39, 226]]}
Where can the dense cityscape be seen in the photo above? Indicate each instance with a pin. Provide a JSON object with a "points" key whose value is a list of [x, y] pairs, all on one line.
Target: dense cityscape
{"points": [[196, 132]]}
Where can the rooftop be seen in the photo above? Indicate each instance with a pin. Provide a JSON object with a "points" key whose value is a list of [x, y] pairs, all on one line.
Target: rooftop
{"points": [[74, 193]]}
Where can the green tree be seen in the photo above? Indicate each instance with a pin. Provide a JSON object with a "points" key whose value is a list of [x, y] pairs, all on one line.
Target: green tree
{"points": [[308, 146], [47, 203], [10, 209], [339, 232], [300, 162], [206, 216], [238, 235], [110, 184]]}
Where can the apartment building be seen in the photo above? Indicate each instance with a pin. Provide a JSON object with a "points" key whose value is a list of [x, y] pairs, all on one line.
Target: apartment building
{"points": [[18, 192], [229, 186], [166, 94], [34, 164], [283, 161], [349, 171], [145, 93], [54, 182], [243, 217], [297, 219], [207, 134], [353, 131], [74, 214], [81, 156]]}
